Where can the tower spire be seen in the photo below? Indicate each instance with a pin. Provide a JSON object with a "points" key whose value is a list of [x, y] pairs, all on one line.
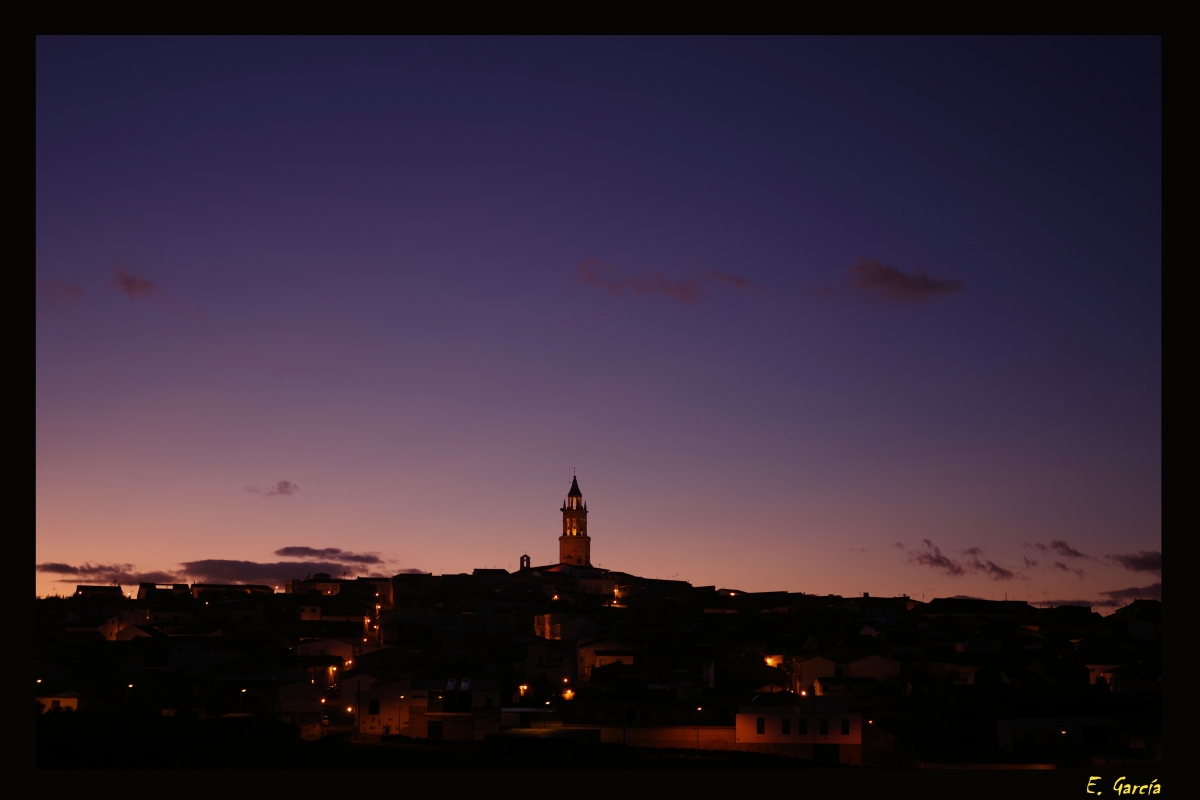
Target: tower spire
{"points": [[574, 546]]}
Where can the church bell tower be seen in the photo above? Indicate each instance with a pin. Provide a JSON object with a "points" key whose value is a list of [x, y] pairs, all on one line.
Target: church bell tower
{"points": [[574, 546]]}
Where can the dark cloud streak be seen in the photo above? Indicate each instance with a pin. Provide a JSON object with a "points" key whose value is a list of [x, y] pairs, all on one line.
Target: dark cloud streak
{"points": [[1141, 561], [333, 553], [283, 488], [134, 287], [882, 280], [105, 573], [1059, 547], [593, 272], [934, 558], [57, 294]]}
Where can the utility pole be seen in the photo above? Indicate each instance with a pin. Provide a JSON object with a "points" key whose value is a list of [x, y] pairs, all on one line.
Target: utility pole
{"points": [[624, 714]]}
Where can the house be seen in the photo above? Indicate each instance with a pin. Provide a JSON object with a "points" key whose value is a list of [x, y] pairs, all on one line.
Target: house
{"points": [[551, 660], [599, 653], [148, 591], [103, 592], [845, 688], [1055, 734], [353, 683], [211, 591], [841, 664], [954, 672], [380, 710], [454, 709], [138, 632], [321, 583], [345, 649], [562, 626], [65, 700], [820, 728], [299, 700]]}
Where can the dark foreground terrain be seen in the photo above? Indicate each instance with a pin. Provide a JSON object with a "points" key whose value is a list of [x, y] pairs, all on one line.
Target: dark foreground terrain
{"points": [[97, 741]]}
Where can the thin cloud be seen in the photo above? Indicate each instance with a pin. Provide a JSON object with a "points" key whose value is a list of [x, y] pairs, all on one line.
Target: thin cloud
{"points": [[1125, 596], [135, 286], [222, 570], [1056, 603], [597, 273], [1059, 547], [57, 294], [104, 573], [1029, 562], [1061, 566], [689, 290], [933, 557], [873, 277], [736, 281], [283, 488], [332, 553], [1113, 599], [218, 570], [1141, 561], [991, 569]]}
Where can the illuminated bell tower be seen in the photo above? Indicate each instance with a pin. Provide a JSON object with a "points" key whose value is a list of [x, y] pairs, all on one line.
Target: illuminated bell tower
{"points": [[574, 546]]}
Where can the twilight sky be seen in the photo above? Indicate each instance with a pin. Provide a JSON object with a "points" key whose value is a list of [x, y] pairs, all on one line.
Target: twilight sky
{"points": [[824, 315]]}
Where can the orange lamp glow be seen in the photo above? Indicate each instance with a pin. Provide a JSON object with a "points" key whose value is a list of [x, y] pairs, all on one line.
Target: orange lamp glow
{"points": [[322, 699]]}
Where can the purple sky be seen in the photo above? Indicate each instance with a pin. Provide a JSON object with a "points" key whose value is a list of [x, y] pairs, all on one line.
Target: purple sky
{"points": [[783, 303]]}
